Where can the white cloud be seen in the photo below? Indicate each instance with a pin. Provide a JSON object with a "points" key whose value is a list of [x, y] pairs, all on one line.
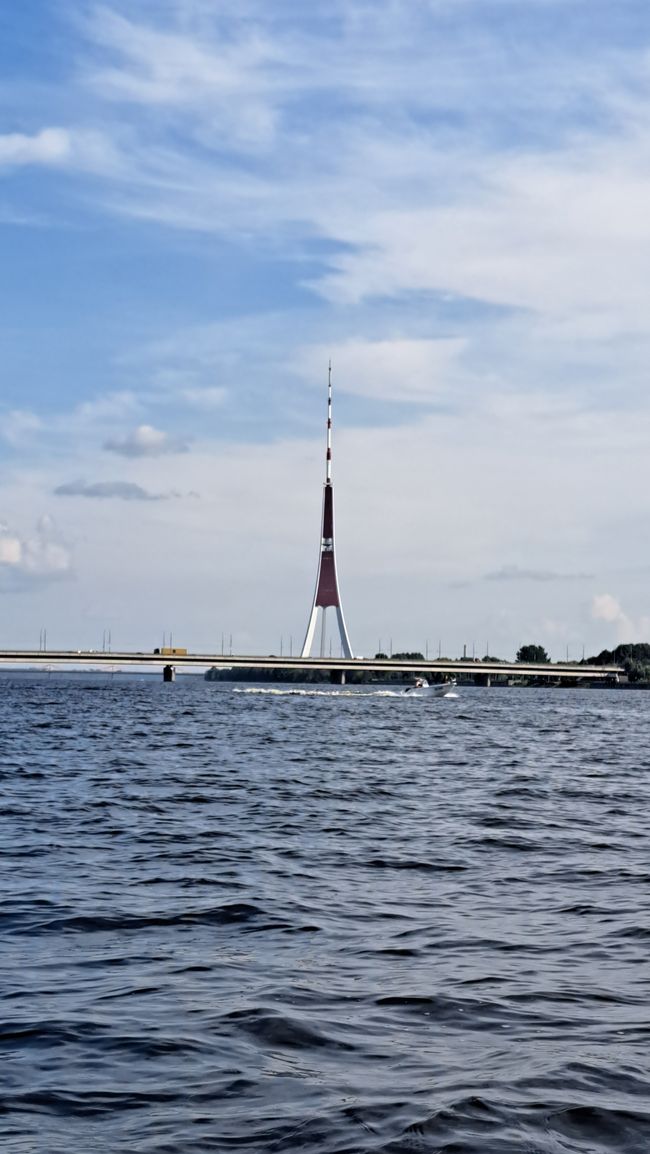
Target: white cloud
{"points": [[113, 406], [390, 370], [11, 550], [146, 441], [210, 397], [35, 559], [605, 607], [84, 422], [49, 146], [18, 426], [86, 150]]}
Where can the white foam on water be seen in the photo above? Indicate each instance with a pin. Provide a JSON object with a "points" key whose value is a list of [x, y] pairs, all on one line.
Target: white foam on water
{"points": [[255, 689], [322, 692]]}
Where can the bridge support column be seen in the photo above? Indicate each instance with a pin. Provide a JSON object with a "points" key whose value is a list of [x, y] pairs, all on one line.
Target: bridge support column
{"points": [[337, 676], [483, 679], [169, 673]]}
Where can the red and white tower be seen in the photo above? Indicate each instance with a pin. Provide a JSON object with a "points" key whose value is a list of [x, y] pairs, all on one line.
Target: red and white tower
{"points": [[327, 595]]}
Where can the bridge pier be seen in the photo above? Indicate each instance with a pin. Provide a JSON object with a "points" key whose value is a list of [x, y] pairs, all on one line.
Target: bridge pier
{"points": [[483, 679], [169, 673], [337, 676]]}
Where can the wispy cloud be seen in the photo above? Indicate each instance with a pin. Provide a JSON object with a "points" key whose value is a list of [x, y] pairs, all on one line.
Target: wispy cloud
{"points": [[49, 146], [88, 151], [107, 490], [553, 223], [227, 76], [515, 573], [400, 140], [564, 235], [146, 441]]}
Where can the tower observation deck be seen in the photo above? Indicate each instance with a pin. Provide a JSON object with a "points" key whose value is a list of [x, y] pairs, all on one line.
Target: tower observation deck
{"points": [[326, 593]]}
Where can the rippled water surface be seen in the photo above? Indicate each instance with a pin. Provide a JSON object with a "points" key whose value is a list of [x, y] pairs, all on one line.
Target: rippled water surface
{"points": [[332, 923]]}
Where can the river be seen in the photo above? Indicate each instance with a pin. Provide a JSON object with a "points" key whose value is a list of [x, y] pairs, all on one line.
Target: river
{"points": [[335, 921]]}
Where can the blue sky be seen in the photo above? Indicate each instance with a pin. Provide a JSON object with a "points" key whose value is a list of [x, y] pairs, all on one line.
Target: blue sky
{"points": [[201, 203]]}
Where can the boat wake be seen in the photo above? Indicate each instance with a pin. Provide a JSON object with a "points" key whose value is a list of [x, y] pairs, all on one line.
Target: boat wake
{"points": [[255, 689]]}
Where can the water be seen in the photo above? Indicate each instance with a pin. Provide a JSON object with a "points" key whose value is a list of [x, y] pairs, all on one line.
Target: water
{"points": [[332, 922]]}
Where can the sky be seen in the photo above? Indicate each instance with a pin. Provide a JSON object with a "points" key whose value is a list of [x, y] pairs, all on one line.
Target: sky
{"points": [[202, 202]]}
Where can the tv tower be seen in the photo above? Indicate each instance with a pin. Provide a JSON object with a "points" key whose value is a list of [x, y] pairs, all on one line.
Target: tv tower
{"points": [[326, 594]]}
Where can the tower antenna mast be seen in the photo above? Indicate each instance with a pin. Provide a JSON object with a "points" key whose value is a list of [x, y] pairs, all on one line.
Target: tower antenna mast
{"points": [[326, 594]]}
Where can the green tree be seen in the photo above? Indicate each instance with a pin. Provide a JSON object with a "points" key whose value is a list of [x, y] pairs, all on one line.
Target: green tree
{"points": [[533, 655], [635, 659]]}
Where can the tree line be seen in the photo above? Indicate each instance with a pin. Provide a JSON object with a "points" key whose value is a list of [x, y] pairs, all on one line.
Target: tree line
{"points": [[633, 658]]}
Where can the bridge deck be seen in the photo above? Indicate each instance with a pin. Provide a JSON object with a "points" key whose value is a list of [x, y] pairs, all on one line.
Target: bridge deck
{"points": [[72, 657]]}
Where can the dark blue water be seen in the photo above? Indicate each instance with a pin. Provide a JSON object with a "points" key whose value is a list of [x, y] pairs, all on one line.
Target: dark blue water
{"points": [[239, 921]]}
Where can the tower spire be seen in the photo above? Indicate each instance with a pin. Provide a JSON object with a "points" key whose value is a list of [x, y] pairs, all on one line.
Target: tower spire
{"points": [[328, 456], [326, 594]]}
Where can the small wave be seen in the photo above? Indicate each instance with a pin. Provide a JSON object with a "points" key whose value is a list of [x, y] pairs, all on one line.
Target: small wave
{"points": [[474, 1014], [28, 1034], [232, 913], [86, 1103], [612, 1129], [640, 933], [414, 864], [275, 1029]]}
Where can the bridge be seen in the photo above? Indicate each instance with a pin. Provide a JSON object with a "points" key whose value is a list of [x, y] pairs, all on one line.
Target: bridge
{"points": [[337, 667]]}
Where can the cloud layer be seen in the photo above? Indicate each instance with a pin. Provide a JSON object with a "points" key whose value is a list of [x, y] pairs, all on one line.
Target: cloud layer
{"points": [[446, 200]]}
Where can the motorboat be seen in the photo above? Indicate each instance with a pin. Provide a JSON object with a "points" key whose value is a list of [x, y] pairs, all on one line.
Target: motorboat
{"points": [[445, 688], [421, 688]]}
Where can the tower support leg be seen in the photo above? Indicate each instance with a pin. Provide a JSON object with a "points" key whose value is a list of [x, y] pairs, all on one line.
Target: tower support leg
{"points": [[343, 633], [311, 629], [337, 676]]}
